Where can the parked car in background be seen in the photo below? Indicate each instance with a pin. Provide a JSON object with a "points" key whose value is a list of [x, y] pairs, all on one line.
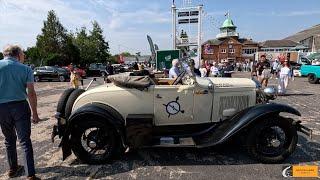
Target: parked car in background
{"points": [[312, 72], [82, 73], [96, 69], [50, 73]]}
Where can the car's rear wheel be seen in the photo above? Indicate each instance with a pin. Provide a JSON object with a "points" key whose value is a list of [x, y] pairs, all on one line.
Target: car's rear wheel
{"points": [[62, 79], [37, 79], [312, 79], [94, 142], [272, 140]]}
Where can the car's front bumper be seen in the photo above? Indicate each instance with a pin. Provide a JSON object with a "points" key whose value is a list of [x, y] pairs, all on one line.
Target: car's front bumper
{"points": [[59, 128], [303, 129]]}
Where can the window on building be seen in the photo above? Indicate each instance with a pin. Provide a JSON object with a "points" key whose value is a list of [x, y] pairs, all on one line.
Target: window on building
{"points": [[250, 51], [231, 51], [223, 51]]}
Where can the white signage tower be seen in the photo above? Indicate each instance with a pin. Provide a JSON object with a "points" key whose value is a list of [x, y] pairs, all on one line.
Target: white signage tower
{"points": [[187, 29]]}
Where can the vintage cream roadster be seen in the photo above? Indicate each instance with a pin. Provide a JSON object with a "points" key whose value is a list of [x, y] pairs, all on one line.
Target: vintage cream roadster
{"points": [[133, 112]]}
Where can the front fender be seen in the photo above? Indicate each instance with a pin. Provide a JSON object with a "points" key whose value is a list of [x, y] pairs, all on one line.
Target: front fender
{"points": [[97, 110], [243, 119]]}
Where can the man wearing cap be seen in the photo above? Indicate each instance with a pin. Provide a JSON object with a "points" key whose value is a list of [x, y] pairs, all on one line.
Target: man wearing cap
{"points": [[15, 114]]}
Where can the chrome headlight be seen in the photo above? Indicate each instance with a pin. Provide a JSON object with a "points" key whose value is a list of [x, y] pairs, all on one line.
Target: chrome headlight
{"points": [[271, 92]]}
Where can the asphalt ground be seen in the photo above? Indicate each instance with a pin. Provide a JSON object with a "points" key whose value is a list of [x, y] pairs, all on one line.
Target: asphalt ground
{"points": [[225, 162]]}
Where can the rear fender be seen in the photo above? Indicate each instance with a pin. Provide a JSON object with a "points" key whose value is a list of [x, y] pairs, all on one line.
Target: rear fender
{"points": [[243, 119], [98, 111]]}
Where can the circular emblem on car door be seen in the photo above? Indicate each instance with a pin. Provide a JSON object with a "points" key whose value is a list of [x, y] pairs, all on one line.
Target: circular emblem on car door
{"points": [[173, 107]]}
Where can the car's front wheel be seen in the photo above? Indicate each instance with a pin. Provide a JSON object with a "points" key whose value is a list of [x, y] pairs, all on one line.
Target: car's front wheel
{"points": [[94, 142], [272, 140]]}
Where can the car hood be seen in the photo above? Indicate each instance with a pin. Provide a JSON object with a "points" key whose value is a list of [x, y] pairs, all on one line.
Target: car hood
{"points": [[233, 82]]}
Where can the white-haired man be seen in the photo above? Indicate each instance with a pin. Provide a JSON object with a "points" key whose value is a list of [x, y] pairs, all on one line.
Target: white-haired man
{"points": [[174, 71], [15, 113]]}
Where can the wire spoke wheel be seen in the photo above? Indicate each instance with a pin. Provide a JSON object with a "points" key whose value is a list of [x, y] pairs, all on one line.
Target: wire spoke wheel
{"points": [[94, 142], [272, 140]]}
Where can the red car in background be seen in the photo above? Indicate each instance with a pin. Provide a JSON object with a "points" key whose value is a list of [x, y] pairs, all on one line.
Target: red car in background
{"points": [[82, 73]]}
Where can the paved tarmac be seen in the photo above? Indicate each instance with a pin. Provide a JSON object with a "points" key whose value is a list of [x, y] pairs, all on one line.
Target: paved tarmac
{"points": [[227, 162]]}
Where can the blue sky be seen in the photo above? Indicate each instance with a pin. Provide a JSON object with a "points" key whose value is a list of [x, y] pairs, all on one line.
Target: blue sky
{"points": [[127, 22]]}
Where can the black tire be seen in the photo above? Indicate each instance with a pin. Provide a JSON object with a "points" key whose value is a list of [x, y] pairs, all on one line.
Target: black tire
{"points": [[103, 74], [312, 79], [109, 141], [72, 98], [62, 79], [254, 140], [63, 101], [37, 79]]}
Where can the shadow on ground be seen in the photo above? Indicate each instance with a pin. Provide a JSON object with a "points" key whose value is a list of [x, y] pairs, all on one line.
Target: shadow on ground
{"points": [[230, 154]]}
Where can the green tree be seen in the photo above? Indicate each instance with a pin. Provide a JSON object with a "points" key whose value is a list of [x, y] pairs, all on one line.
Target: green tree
{"points": [[33, 56], [101, 47], [54, 44], [126, 54], [1, 55], [85, 46]]}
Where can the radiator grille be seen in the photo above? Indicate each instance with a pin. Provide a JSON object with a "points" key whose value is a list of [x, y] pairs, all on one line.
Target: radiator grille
{"points": [[237, 102]]}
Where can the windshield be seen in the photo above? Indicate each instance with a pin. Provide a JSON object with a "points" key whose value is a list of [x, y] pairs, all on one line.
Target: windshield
{"points": [[184, 66]]}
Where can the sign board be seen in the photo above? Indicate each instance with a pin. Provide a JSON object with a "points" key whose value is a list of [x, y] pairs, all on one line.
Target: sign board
{"points": [[165, 57]]}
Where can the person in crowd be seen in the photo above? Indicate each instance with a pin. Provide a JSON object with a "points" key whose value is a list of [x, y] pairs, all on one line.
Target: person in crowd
{"points": [[207, 66], [203, 71], [214, 70], [194, 71], [253, 69], [135, 66], [275, 68], [74, 78], [227, 70], [109, 69], [174, 70], [263, 70], [16, 86], [284, 76], [248, 67]]}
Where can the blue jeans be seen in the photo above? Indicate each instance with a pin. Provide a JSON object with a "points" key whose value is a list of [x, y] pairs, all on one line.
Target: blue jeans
{"points": [[15, 120]]}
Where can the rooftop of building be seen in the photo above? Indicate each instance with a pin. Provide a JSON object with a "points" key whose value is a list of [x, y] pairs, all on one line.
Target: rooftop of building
{"points": [[314, 30], [228, 23], [278, 43], [244, 41]]}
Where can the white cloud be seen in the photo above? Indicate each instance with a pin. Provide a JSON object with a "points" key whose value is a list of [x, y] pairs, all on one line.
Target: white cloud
{"points": [[21, 20]]}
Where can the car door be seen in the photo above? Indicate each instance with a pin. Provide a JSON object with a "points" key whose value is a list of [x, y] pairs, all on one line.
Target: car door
{"points": [[173, 104], [52, 73]]}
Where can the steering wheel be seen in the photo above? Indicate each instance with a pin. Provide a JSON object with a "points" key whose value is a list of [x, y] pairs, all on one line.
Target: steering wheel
{"points": [[179, 78]]}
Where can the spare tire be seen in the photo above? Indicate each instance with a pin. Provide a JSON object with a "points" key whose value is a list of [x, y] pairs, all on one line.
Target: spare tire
{"points": [[63, 101], [72, 98]]}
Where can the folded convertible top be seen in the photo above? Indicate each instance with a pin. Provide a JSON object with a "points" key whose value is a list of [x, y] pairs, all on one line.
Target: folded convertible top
{"points": [[124, 80]]}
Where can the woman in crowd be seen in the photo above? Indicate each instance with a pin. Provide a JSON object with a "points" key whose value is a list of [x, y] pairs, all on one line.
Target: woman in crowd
{"points": [[214, 70], [203, 71], [284, 76]]}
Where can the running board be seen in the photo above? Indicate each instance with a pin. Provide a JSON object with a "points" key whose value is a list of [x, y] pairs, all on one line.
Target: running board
{"points": [[174, 142]]}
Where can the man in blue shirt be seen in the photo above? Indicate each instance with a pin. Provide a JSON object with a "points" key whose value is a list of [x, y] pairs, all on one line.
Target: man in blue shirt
{"points": [[15, 114], [174, 70]]}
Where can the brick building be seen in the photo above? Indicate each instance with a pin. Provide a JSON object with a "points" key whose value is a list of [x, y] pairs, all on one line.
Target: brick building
{"points": [[228, 45]]}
